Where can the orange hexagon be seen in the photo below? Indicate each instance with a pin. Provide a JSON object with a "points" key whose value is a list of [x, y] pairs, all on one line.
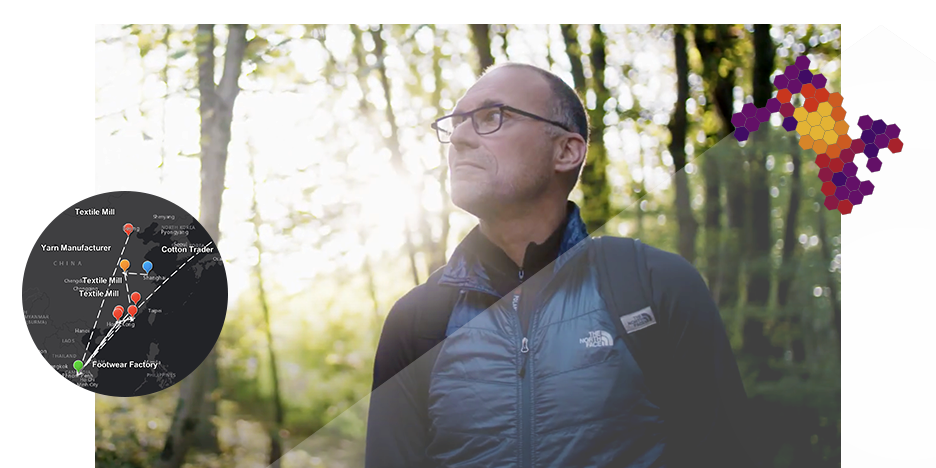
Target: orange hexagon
{"points": [[822, 95], [808, 90], [841, 127], [838, 113], [784, 95], [835, 99], [811, 105], [834, 151], [844, 141], [806, 142], [820, 146]]}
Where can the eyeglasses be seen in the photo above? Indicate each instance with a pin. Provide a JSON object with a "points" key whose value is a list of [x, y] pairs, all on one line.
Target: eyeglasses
{"points": [[485, 120]]}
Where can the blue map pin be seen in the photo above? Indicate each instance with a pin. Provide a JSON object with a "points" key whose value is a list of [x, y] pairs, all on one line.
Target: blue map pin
{"points": [[147, 265]]}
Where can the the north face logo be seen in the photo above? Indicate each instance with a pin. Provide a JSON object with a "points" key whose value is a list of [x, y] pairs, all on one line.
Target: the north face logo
{"points": [[597, 338], [639, 320]]}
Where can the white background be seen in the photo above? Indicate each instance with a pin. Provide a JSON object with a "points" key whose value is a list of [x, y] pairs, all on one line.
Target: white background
{"points": [[47, 112]]}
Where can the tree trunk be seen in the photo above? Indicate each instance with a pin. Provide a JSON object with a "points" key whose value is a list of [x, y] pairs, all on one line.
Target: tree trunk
{"points": [[758, 284], [393, 141], [790, 260], [678, 127], [481, 38], [713, 42], [833, 287], [196, 402], [437, 259], [276, 443]]}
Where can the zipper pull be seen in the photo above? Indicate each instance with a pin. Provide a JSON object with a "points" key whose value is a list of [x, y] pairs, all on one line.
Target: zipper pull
{"points": [[523, 347], [521, 274]]}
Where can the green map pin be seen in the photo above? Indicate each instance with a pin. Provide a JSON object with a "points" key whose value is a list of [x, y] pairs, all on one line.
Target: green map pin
{"points": [[78, 365]]}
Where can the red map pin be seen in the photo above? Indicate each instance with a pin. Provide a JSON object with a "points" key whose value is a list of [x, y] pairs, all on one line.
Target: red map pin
{"points": [[128, 228], [135, 297], [132, 310], [118, 311]]}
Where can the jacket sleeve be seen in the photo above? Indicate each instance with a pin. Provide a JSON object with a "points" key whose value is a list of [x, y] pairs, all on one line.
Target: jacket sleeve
{"points": [[397, 424], [706, 401]]}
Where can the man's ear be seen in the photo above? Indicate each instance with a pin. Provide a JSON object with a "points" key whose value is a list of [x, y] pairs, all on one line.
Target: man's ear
{"points": [[571, 154]]}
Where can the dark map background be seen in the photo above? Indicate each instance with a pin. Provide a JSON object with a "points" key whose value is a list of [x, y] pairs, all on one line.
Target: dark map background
{"points": [[193, 302]]}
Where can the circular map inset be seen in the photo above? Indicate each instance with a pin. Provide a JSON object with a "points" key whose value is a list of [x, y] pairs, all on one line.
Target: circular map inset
{"points": [[124, 294]]}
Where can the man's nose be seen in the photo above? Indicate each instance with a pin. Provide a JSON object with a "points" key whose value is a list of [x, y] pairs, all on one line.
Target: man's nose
{"points": [[464, 136]]}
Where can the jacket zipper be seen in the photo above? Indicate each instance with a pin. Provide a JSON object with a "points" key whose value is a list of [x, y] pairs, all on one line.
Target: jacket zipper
{"points": [[526, 403]]}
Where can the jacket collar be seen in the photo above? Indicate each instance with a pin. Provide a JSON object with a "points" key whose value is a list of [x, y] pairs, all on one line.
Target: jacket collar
{"points": [[466, 271]]}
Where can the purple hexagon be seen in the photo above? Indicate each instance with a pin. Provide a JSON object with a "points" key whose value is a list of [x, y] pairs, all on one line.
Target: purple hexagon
{"points": [[790, 123], [773, 105], [795, 86], [763, 114], [865, 122], [855, 197], [738, 119], [893, 131], [878, 127], [842, 192], [819, 81], [874, 164], [850, 169], [866, 188], [791, 72], [831, 202], [871, 151], [741, 133], [749, 110], [752, 124], [805, 76], [781, 81], [852, 183], [867, 136], [881, 141], [825, 174], [802, 62], [839, 179]]}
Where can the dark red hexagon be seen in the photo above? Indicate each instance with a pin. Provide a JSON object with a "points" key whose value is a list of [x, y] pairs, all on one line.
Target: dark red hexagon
{"points": [[836, 165], [895, 145], [825, 174], [823, 160], [845, 206], [828, 188], [857, 146], [831, 202], [847, 155]]}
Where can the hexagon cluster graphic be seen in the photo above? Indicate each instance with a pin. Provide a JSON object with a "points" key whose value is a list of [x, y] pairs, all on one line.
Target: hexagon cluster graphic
{"points": [[820, 122]]}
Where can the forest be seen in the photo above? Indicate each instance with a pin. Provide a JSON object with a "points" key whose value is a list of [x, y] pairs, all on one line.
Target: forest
{"points": [[307, 154]]}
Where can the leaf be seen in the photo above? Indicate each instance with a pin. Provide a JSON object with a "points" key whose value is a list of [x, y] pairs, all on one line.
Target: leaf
{"points": [[179, 54]]}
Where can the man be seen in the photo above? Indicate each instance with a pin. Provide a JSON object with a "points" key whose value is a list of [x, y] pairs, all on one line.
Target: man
{"points": [[507, 355]]}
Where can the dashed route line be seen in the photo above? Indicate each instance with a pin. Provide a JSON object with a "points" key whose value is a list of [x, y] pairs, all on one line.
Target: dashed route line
{"points": [[128, 318], [127, 284], [109, 279]]}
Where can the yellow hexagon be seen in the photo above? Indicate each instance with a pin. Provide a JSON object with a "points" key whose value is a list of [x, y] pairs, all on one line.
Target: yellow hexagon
{"points": [[803, 128], [830, 137], [800, 114], [814, 118], [841, 127], [827, 123], [805, 142], [824, 109], [816, 133]]}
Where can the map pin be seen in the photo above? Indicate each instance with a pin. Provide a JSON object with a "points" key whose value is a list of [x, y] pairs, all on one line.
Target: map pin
{"points": [[118, 311], [147, 265], [132, 310], [124, 264], [78, 365], [135, 297], [128, 228]]}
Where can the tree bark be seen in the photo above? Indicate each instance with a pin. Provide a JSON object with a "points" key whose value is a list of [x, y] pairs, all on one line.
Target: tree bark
{"points": [[393, 141], [438, 251], [276, 443], [481, 38], [196, 402], [758, 284], [678, 127]]}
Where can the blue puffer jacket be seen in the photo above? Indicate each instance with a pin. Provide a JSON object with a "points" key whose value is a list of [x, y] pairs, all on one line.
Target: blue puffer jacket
{"points": [[564, 393]]}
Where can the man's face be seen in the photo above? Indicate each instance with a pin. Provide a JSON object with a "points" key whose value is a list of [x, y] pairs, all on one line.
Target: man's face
{"points": [[513, 164]]}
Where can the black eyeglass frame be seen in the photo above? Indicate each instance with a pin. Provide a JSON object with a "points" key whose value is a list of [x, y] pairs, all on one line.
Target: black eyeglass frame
{"points": [[500, 123]]}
